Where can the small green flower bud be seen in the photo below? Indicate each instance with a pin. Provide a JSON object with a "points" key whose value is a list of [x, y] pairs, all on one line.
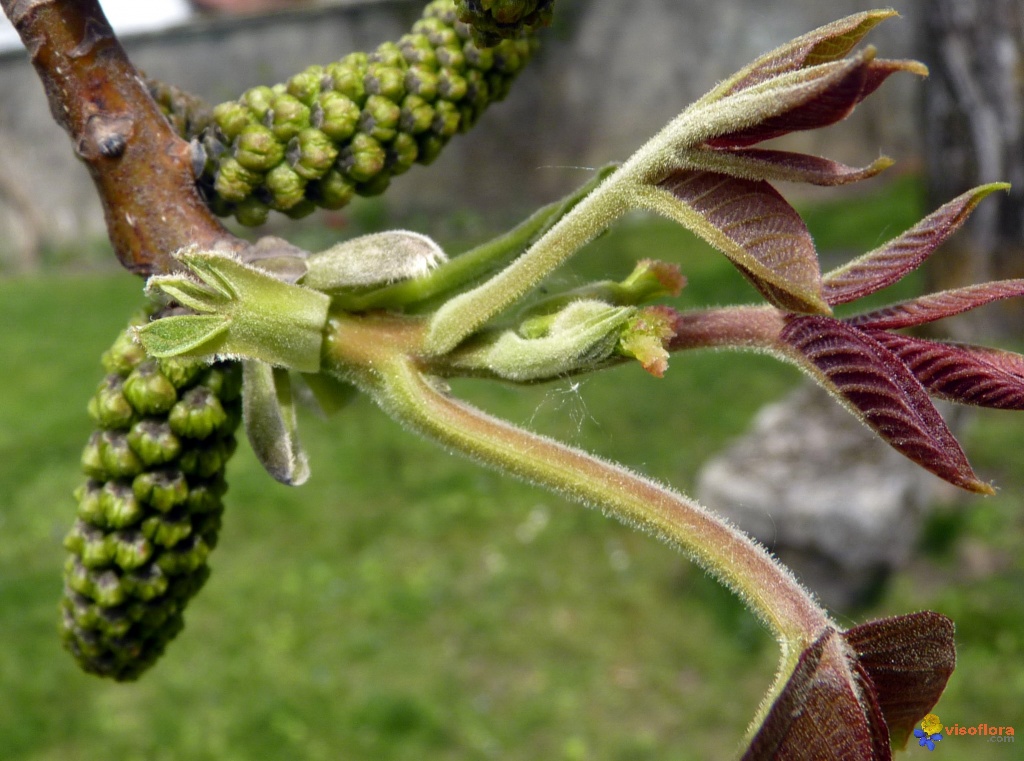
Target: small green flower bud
{"points": [[416, 116], [258, 149], [380, 118], [92, 459], [258, 100], [145, 583], [224, 380], [363, 158], [90, 544], [479, 58], [251, 212], [305, 86], [509, 57], [204, 460], [124, 355], [233, 181], [417, 51], [402, 153], [185, 558], [388, 54], [347, 76], [162, 490], [430, 146], [181, 371], [303, 208], [385, 81], [440, 34], [108, 407], [148, 390], [446, 119], [90, 505], [121, 508], [198, 414], [452, 57], [76, 576], [375, 186], [206, 497], [421, 81], [336, 115], [287, 117], [286, 187], [231, 118], [332, 191], [451, 85], [106, 588], [311, 153], [119, 461], [153, 440], [167, 533], [132, 549]]}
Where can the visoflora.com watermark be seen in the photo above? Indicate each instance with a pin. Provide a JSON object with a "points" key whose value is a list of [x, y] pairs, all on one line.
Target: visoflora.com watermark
{"points": [[932, 731]]}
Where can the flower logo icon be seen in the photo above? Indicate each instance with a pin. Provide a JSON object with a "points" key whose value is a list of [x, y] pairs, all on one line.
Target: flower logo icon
{"points": [[929, 733], [931, 724]]}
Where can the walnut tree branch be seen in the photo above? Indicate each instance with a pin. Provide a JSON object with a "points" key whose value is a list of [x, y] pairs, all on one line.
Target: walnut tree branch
{"points": [[141, 168]]}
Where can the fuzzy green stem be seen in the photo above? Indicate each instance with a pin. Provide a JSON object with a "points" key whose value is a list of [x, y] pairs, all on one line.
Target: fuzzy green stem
{"points": [[355, 352], [472, 265], [464, 314]]}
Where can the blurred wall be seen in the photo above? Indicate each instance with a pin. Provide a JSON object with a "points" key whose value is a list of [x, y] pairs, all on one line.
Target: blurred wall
{"points": [[611, 73]]}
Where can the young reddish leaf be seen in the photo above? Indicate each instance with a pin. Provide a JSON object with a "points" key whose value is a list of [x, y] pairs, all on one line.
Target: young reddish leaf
{"points": [[908, 660], [819, 715], [820, 101], [756, 228], [822, 45], [937, 306], [882, 392], [889, 263], [959, 373], [761, 164]]}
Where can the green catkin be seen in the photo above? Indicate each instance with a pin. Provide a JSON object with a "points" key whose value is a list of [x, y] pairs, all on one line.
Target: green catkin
{"points": [[496, 20], [332, 132], [150, 511]]}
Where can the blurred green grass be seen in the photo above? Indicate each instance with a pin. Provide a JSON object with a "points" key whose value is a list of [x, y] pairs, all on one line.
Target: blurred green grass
{"points": [[405, 604]]}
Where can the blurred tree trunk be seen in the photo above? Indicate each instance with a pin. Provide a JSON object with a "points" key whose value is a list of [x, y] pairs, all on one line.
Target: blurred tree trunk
{"points": [[973, 122]]}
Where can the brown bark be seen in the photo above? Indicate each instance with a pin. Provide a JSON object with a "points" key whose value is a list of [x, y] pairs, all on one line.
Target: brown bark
{"points": [[141, 168], [973, 128]]}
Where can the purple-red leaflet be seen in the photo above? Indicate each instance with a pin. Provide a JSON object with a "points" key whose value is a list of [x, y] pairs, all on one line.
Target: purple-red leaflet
{"points": [[903, 254], [777, 255], [819, 715], [822, 45], [883, 392], [938, 306], [826, 103], [960, 373], [853, 692], [908, 660]]}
